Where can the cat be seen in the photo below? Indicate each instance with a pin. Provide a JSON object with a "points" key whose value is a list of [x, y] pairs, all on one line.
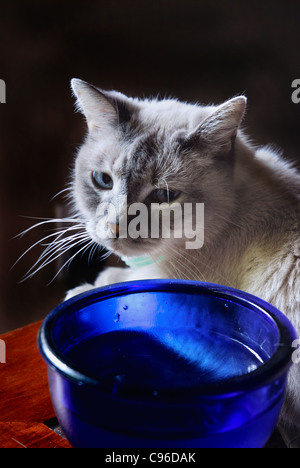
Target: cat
{"points": [[170, 152]]}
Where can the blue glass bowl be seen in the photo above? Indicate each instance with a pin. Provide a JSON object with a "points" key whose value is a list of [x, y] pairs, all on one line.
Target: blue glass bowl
{"points": [[166, 363]]}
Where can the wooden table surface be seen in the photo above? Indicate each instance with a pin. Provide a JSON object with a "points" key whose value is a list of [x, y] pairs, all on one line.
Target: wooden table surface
{"points": [[25, 405]]}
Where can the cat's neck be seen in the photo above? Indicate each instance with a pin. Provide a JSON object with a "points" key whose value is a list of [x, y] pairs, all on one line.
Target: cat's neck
{"points": [[266, 192], [266, 188]]}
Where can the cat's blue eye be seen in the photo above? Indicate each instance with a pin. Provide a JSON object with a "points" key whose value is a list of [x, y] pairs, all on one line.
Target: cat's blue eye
{"points": [[164, 196], [102, 180]]}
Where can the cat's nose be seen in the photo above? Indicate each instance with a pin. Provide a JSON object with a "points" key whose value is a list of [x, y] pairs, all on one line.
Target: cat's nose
{"points": [[114, 227]]}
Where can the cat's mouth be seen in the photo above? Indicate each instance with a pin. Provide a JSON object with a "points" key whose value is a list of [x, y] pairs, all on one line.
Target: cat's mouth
{"points": [[130, 247], [121, 241]]}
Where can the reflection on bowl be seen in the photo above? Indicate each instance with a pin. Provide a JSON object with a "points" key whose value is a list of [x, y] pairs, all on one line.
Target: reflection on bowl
{"points": [[166, 363]]}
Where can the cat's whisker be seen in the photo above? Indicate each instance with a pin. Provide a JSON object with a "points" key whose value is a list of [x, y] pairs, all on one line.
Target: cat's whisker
{"points": [[95, 247], [166, 183], [47, 221], [31, 247], [52, 246], [52, 249], [84, 248], [171, 272], [105, 255], [215, 274], [60, 240], [31, 272], [193, 266], [39, 242], [62, 243], [186, 272], [67, 189], [92, 252], [192, 271]]}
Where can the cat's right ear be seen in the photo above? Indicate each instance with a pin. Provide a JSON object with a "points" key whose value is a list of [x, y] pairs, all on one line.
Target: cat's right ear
{"points": [[98, 110]]}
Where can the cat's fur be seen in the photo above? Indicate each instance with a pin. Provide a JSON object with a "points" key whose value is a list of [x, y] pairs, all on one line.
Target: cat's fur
{"points": [[251, 198]]}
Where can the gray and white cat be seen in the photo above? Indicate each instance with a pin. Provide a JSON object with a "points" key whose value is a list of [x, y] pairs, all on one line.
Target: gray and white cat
{"points": [[165, 151]]}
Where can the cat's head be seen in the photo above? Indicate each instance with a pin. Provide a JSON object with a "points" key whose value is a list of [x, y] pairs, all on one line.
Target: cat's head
{"points": [[138, 153]]}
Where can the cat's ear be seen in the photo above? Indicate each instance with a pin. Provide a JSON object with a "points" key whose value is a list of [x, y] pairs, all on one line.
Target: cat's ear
{"points": [[219, 129], [100, 108]]}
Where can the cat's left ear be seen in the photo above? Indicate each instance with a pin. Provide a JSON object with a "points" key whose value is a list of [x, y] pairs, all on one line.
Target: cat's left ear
{"points": [[220, 128]]}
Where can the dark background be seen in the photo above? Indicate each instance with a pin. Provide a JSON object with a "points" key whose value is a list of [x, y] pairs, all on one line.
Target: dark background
{"points": [[204, 51]]}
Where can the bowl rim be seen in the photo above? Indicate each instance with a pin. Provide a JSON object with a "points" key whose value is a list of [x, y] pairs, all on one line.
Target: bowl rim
{"points": [[275, 367]]}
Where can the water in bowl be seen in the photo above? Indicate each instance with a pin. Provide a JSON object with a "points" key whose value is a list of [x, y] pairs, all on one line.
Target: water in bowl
{"points": [[163, 370], [139, 363]]}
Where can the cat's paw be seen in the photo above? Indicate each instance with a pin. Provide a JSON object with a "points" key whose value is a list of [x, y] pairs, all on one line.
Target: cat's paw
{"points": [[112, 275], [78, 290], [108, 276]]}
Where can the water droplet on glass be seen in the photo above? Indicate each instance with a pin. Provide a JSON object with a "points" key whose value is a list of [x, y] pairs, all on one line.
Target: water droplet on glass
{"points": [[226, 305], [119, 378], [125, 307], [118, 381], [117, 317]]}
